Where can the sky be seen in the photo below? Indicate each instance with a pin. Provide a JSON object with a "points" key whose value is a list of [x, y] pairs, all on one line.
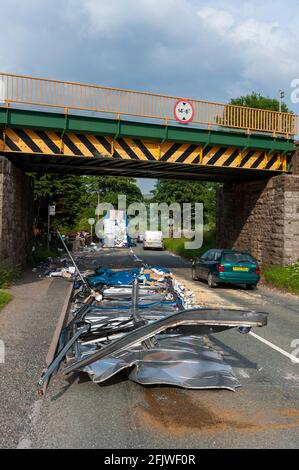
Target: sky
{"points": [[206, 49]]}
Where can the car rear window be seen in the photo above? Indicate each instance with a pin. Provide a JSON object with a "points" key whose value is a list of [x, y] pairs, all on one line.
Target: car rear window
{"points": [[237, 258]]}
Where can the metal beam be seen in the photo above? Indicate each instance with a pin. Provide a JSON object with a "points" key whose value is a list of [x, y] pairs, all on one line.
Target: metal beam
{"points": [[21, 118], [139, 169]]}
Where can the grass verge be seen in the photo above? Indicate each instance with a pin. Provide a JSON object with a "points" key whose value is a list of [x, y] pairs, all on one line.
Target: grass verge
{"points": [[283, 277], [5, 297], [8, 275], [177, 245]]}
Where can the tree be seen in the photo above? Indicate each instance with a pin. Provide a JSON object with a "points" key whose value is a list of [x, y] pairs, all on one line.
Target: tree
{"points": [[105, 189], [255, 120], [63, 191], [109, 188], [256, 100], [76, 197], [170, 191]]}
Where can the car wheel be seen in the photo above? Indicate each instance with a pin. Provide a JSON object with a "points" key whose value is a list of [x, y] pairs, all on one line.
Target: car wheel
{"points": [[194, 277], [211, 282]]}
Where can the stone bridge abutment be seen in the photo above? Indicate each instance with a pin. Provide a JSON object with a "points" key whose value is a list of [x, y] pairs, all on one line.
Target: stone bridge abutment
{"points": [[261, 217], [16, 204]]}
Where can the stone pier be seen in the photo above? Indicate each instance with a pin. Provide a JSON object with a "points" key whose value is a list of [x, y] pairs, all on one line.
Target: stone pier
{"points": [[261, 217], [16, 205]]}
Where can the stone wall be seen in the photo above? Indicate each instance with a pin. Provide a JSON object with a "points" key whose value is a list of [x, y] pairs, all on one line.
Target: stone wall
{"points": [[295, 160], [261, 217], [15, 214]]}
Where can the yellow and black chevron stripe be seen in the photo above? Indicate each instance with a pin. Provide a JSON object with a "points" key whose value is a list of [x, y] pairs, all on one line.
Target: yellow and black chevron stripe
{"points": [[250, 158], [28, 141]]}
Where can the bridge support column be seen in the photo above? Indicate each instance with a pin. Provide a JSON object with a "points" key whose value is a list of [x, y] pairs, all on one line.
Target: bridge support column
{"points": [[261, 217], [15, 214]]}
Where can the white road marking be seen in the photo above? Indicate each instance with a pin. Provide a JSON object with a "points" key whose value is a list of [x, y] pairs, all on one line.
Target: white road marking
{"points": [[293, 377], [35, 411], [24, 444], [276, 348], [243, 374]]}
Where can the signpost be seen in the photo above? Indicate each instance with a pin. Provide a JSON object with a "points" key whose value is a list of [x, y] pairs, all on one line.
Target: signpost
{"points": [[51, 212], [91, 222], [184, 111]]}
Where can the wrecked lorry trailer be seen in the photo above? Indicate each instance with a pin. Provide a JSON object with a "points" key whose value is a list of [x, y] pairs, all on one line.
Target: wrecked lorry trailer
{"points": [[145, 329], [174, 357]]}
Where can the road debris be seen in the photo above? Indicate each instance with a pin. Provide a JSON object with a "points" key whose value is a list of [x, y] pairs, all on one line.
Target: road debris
{"points": [[115, 229], [147, 322]]}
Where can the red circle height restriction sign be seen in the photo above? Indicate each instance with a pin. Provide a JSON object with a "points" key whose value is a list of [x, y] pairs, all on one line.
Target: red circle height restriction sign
{"points": [[183, 111]]}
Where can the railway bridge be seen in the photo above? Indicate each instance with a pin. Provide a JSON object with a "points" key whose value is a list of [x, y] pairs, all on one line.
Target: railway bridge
{"points": [[72, 128]]}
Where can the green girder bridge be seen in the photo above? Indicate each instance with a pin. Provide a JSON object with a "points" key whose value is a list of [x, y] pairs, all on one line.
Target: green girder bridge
{"points": [[70, 128]]}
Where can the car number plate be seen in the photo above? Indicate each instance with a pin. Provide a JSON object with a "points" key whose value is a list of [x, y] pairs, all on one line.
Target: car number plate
{"points": [[240, 268]]}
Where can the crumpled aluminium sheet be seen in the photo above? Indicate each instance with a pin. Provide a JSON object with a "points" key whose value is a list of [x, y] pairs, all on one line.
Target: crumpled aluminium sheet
{"points": [[184, 361], [121, 314], [212, 318]]}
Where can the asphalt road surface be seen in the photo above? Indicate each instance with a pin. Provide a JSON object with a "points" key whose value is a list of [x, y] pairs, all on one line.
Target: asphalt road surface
{"points": [[263, 413]]}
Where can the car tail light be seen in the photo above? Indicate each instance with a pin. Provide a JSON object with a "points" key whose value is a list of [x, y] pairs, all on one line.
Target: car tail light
{"points": [[220, 268], [258, 270]]}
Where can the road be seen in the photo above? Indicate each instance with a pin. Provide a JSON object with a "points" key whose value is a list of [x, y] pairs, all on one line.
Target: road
{"points": [[263, 413]]}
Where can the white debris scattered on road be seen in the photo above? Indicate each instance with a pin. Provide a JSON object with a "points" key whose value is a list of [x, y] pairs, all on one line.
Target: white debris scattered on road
{"points": [[64, 272], [186, 295]]}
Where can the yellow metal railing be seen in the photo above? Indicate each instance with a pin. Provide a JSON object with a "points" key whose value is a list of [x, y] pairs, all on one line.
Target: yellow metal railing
{"points": [[39, 92]]}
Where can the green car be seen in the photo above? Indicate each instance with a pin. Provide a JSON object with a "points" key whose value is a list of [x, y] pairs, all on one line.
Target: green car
{"points": [[227, 266]]}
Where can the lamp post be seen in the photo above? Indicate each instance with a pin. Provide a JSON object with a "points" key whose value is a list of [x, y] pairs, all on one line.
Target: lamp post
{"points": [[97, 208], [91, 222], [281, 96]]}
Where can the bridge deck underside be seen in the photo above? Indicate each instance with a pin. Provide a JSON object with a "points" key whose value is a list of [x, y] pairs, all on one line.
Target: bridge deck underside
{"points": [[71, 144], [146, 169]]}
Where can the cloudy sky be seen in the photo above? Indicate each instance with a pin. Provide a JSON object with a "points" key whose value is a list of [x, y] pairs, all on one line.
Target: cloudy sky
{"points": [[206, 49]]}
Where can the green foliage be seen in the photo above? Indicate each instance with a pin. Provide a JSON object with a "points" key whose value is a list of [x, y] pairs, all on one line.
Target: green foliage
{"points": [[104, 189], [76, 198], [283, 277], [109, 187], [81, 223], [42, 254], [256, 100], [5, 297], [8, 275], [176, 245], [170, 191], [63, 191]]}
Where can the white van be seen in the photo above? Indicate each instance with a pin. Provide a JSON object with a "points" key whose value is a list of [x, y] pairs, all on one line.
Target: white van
{"points": [[153, 239]]}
